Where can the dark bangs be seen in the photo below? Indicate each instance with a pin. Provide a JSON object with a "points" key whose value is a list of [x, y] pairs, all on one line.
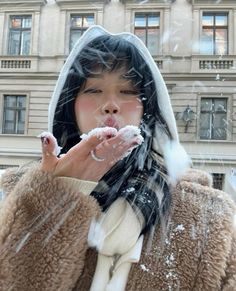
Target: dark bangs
{"points": [[108, 54]]}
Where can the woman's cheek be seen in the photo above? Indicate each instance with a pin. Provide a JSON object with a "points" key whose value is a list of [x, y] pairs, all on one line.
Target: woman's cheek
{"points": [[84, 111], [85, 105], [135, 108]]}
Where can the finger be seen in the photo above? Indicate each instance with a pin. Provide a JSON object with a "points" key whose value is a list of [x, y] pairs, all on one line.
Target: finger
{"points": [[50, 150], [120, 146], [95, 137]]}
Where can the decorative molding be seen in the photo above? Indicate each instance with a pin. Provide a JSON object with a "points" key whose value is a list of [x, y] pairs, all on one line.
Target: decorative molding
{"points": [[21, 5], [85, 2], [22, 2], [81, 4], [149, 1], [214, 3]]}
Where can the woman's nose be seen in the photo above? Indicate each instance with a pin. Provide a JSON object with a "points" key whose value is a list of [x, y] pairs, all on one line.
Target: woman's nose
{"points": [[110, 107]]}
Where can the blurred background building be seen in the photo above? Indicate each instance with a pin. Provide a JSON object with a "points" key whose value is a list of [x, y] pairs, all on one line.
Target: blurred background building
{"points": [[192, 41]]}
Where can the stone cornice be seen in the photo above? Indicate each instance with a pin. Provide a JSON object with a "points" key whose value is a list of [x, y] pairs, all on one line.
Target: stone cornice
{"points": [[81, 4], [214, 3], [22, 2], [21, 5], [149, 1], [85, 2]]}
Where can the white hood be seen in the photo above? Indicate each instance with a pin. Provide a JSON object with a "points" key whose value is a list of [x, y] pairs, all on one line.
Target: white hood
{"points": [[161, 143]]}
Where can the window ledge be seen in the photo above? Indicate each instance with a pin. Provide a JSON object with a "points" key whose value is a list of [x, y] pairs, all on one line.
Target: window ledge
{"points": [[215, 141]]}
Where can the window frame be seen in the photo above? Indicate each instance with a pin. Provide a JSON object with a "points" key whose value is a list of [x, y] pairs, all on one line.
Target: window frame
{"points": [[10, 93], [19, 15], [214, 28], [146, 27], [216, 177], [228, 114], [83, 29]]}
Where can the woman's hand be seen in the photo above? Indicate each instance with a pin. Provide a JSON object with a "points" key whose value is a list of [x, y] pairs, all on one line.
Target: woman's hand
{"points": [[91, 158]]}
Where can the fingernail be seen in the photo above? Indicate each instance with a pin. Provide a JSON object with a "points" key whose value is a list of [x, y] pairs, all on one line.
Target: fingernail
{"points": [[108, 136], [45, 140], [135, 143]]}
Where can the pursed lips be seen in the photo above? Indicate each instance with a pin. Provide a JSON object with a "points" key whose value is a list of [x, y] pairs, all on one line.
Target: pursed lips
{"points": [[111, 122]]}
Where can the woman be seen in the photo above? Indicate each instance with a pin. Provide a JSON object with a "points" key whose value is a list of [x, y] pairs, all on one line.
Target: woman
{"points": [[116, 210]]}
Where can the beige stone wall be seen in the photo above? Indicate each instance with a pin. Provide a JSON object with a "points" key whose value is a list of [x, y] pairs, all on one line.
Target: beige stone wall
{"points": [[179, 61]]}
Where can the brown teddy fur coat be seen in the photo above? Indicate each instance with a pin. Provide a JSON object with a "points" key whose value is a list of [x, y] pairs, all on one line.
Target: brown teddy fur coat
{"points": [[44, 228]]}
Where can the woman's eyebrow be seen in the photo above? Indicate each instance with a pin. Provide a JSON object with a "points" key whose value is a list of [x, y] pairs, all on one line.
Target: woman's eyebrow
{"points": [[99, 76]]}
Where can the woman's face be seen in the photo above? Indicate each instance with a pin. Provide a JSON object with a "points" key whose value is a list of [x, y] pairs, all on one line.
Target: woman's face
{"points": [[108, 99]]}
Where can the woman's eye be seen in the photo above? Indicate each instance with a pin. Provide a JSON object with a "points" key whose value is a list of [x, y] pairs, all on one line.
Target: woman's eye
{"points": [[92, 91], [129, 92]]}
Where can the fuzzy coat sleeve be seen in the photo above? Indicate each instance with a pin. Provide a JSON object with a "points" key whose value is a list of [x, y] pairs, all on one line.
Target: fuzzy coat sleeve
{"points": [[43, 235], [229, 282]]}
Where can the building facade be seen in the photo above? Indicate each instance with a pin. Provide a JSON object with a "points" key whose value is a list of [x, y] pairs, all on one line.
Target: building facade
{"points": [[192, 41]]}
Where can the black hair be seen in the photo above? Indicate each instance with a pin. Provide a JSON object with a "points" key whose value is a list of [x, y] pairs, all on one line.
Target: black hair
{"points": [[138, 177]]}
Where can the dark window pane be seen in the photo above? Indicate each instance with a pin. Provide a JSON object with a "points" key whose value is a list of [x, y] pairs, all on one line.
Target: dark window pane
{"points": [[219, 120], [26, 22], [206, 120], [205, 134], [8, 127], [9, 115], [14, 114], [76, 21], [218, 181], [15, 22], [21, 128], [75, 35], [14, 42], [207, 20], [21, 116], [25, 47], [153, 20], [88, 20], [207, 42], [221, 20], [206, 104], [219, 134], [221, 41], [152, 42], [213, 118], [220, 105], [10, 101], [21, 101], [140, 21], [141, 33]]}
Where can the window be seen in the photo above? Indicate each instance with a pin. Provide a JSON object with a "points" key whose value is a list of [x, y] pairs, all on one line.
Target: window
{"points": [[218, 181], [78, 25], [14, 114], [214, 40], [147, 28], [19, 35], [213, 118]]}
